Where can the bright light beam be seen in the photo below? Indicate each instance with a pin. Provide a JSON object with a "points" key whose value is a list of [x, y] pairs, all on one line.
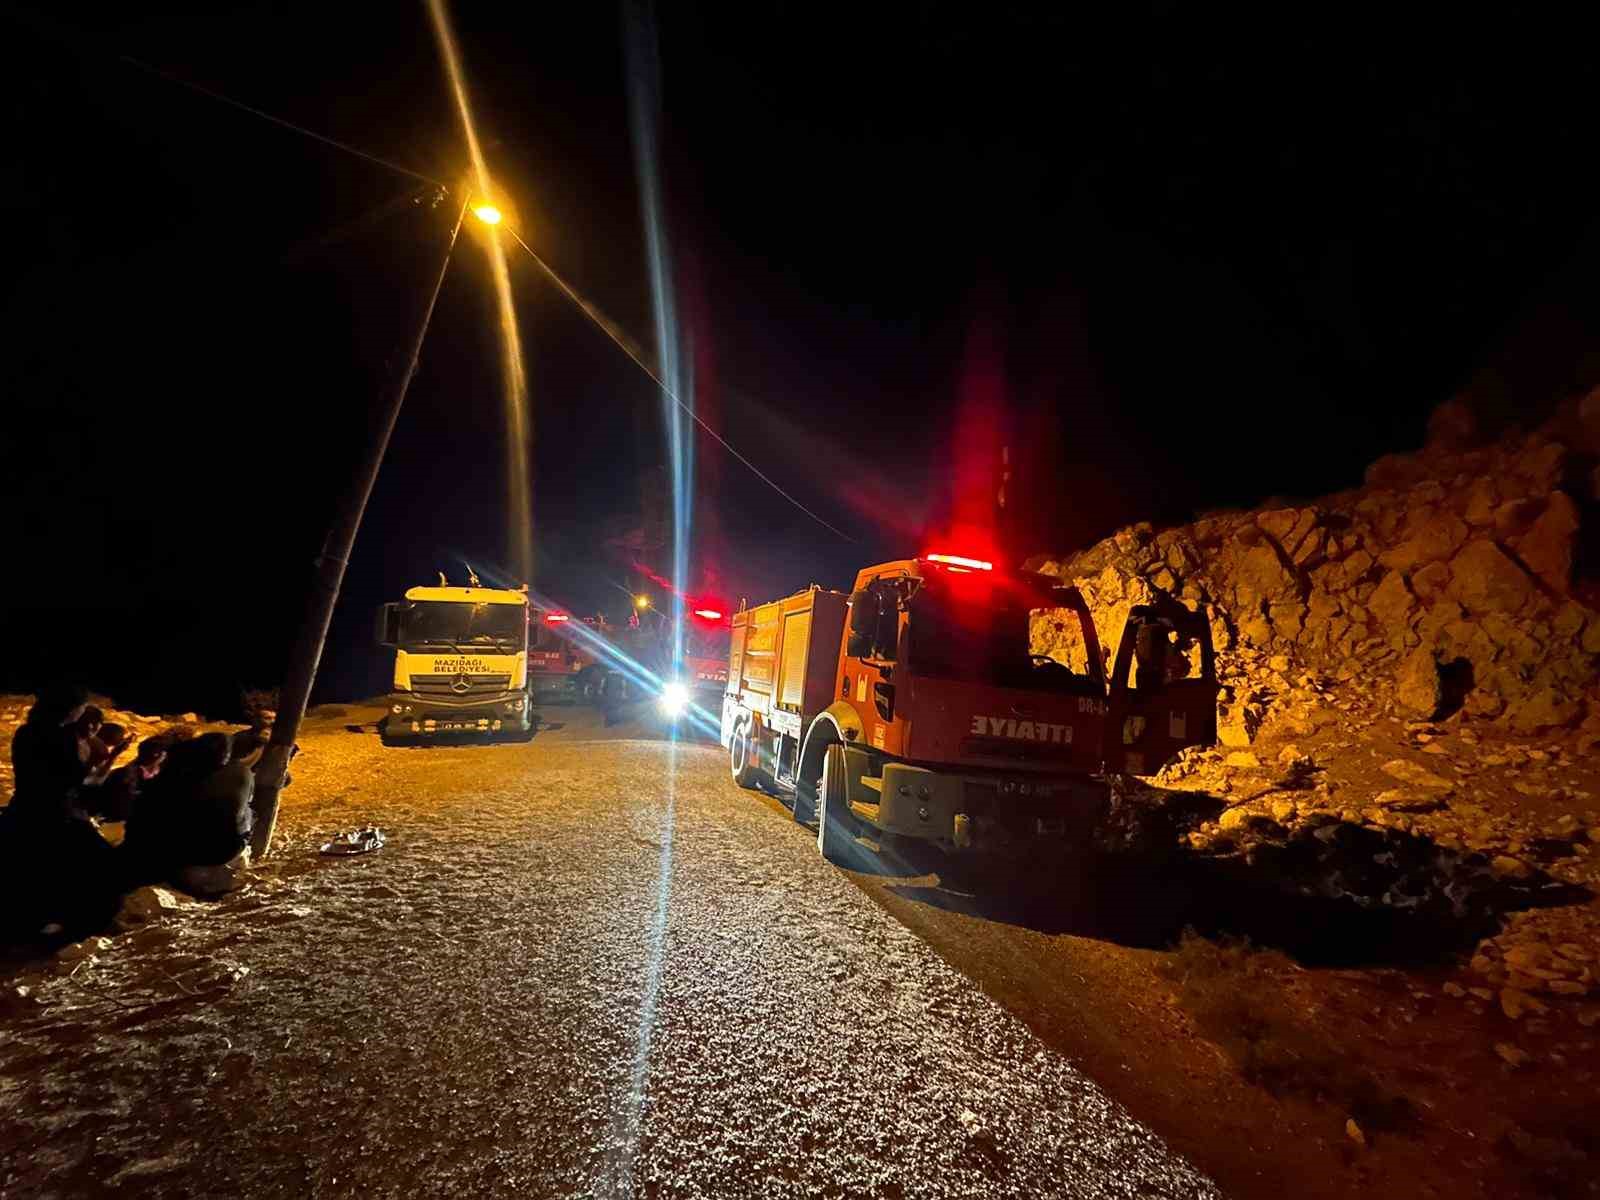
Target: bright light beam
{"points": [[519, 421]]}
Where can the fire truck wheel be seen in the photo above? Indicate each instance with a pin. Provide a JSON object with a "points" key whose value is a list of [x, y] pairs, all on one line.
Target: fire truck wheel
{"points": [[740, 753], [835, 826]]}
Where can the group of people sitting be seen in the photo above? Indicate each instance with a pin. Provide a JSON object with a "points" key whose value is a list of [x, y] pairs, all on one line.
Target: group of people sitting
{"points": [[186, 802]]}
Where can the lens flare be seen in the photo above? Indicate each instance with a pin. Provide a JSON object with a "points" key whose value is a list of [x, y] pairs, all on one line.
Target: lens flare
{"points": [[519, 420]]}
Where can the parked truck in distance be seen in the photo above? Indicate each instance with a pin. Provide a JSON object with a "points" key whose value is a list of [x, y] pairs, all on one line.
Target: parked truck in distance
{"points": [[460, 663], [914, 708], [563, 668]]}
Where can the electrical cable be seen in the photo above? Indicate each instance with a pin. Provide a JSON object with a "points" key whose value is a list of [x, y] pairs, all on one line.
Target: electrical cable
{"points": [[628, 347], [221, 98]]}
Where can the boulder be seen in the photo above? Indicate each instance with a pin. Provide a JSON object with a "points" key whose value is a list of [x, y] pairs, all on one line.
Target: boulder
{"points": [[1259, 574], [1432, 535], [1484, 579], [1542, 710], [1546, 548], [1392, 603], [1417, 685], [1416, 776]]}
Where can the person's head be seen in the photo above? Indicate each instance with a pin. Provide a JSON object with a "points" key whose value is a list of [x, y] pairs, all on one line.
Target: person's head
{"points": [[89, 721], [211, 750], [245, 747], [151, 754], [112, 734], [58, 704]]}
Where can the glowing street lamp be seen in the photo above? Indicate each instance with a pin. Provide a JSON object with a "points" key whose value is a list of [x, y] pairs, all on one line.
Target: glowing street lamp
{"points": [[487, 213], [641, 601]]}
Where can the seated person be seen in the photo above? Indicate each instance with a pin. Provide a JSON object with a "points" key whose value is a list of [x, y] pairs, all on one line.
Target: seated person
{"points": [[104, 748], [213, 837], [164, 806], [114, 799]]}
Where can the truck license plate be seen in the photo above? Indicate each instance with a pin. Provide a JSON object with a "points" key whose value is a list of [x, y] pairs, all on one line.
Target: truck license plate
{"points": [[1051, 825]]}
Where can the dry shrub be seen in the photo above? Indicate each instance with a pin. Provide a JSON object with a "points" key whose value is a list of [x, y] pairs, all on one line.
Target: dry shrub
{"points": [[1236, 995]]}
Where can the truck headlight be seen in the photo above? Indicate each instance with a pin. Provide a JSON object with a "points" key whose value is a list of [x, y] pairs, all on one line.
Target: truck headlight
{"points": [[674, 699]]}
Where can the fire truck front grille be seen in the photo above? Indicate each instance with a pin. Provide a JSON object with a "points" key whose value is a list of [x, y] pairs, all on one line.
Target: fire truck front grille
{"points": [[459, 686]]}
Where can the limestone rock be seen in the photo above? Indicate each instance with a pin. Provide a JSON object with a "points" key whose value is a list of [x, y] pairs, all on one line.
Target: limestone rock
{"points": [[1417, 684], [1515, 1003], [1511, 1055], [1260, 575], [1545, 709], [1393, 604], [1432, 535], [1483, 579], [1417, 776], [1547, 546]]}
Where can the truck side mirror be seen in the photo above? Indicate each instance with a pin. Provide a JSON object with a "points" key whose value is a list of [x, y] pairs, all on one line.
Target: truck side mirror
{"points": [[863, 623], [389, 624]]}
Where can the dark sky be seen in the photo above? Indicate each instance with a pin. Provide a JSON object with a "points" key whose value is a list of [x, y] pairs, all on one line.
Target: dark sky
{"points": [[1194, 264]]}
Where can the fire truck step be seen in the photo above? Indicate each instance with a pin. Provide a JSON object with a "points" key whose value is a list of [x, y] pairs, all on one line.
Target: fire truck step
{"points": [[875, 782], [866, 812]]}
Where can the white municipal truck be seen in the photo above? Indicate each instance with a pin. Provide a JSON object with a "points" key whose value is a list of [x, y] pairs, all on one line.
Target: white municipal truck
{"points": [[460, 663]]}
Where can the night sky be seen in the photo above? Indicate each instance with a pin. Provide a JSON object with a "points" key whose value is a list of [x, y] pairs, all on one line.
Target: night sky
{"points": [[1189, 263]]}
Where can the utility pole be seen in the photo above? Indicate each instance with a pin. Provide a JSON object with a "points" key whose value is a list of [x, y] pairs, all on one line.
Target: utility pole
{"points": [[329, 577]]}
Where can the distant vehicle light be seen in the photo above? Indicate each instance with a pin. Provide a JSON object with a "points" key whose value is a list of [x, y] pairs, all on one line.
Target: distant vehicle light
{"points": [[674, 700], [956, 560], [709, 614], [556, 618]]}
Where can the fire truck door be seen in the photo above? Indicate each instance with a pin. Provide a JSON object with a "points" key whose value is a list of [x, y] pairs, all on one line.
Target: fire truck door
{"points": [[1163, 693]]}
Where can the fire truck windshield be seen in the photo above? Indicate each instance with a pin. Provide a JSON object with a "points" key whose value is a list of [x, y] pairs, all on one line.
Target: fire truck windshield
{"points": [[700, 642], [447, 623], [981, 635]]}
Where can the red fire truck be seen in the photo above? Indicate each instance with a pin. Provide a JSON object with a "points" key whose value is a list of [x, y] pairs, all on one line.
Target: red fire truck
{"points": [[561, 669], [688, 696], [913, 707]]}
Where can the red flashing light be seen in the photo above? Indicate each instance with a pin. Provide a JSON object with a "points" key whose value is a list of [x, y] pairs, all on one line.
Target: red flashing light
{"points": [[556, 618], [709, 614], [957, 563]]}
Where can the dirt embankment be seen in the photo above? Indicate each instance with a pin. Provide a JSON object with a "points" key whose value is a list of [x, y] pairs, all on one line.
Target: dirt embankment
{"points": [[1408, 779]]}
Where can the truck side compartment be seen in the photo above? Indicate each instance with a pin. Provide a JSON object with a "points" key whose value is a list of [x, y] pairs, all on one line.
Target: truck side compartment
{"points": [[781, 668]]}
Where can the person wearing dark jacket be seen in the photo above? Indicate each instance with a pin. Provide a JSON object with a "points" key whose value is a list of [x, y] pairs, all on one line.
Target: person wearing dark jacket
{"points": [[58, 874]]}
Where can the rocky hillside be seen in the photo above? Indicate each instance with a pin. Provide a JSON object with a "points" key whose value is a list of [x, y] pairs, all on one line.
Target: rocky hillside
{"points": [[1410, 687], [1445, 583]]}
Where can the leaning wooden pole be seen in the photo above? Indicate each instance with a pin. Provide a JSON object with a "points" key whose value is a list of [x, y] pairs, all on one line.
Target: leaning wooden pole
{"points": [[329, 577]]}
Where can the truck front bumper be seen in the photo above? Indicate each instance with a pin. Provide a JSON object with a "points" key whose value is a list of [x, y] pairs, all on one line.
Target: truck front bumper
{"points": [[420, 717], [988, 812]]}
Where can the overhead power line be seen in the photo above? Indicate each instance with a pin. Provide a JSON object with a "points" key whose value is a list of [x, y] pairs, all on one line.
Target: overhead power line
{"points": [[631, 349], [608, 327]]}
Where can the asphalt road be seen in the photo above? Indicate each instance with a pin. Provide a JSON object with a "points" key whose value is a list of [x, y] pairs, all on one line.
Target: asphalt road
{"points": [[583, 966]]}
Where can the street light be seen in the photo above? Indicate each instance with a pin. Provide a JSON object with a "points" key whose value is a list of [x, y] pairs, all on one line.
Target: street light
{"points": [[487, 213], [641, 601]]}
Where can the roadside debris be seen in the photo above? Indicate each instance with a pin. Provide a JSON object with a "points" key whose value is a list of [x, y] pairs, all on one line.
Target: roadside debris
{"points": [[356, 841]]}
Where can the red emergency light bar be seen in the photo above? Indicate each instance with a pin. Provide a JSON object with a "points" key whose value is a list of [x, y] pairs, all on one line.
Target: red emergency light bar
{"points": [[556, 618], [710, 614], [957, 563]]}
